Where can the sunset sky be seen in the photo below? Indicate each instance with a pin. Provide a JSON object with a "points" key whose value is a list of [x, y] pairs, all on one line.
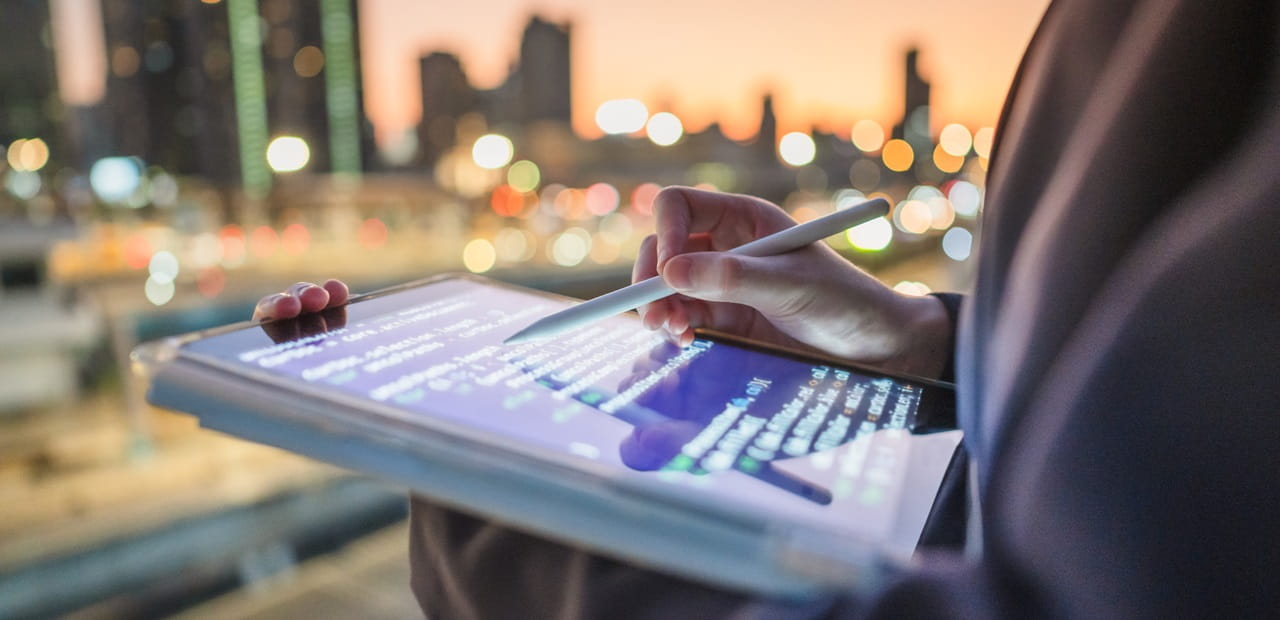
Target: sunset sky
{"points": [[828, 62]]}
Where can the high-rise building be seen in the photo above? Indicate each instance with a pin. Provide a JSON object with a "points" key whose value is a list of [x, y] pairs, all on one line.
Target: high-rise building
{"points": [[29, 101], [914, 127], [169, 92], [767, 137], [446, 97], [545, 85]]}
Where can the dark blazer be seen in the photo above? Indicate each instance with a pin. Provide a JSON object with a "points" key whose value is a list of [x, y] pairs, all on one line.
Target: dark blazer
{"points": [[1117, 362]]}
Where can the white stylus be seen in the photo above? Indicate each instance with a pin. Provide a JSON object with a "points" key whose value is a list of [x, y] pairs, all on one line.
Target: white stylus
{"points": [[655, 288]]}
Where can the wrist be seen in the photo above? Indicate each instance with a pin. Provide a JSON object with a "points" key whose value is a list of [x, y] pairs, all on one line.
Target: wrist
{"points": [[927, 332]]}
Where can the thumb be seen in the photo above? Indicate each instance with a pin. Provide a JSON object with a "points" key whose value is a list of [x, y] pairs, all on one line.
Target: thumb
{"points": [[768, 284]]}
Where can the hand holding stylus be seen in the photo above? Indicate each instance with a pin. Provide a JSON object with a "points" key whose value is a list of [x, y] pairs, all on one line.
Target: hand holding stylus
{"points": [[811, 298]]}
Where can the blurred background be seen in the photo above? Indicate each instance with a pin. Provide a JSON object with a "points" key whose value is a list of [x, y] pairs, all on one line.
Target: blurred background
{"points": [[164, 163]]}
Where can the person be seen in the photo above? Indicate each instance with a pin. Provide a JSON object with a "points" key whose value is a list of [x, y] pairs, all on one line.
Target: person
{"points": [[1114, 363]]}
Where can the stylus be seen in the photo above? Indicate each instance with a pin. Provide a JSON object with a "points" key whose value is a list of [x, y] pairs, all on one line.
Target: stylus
{"points": [[655, 288]]}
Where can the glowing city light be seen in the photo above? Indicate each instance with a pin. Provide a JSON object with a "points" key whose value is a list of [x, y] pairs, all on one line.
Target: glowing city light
{"points": [[913, 216], [115, 179], [159, 292], [867, 135], [621, 116], [23, 184], [955, 139], [478, 256], [797, 149], [642, 197], [263, 241], [295, 239], [524, 176], [897, 155], [210, 282], [957, 244], [163, 267], [664, 129], [492, 151], [983, 140], [206, 250], [871, 236], [570, 247], [846, 198], [941, 213], [28, 155], [514, 245], [506, 201], [309, 61], [233, 245], [601, 198], [372, 233], [946, 162], [616, 228], [288, 154], [965, 198]]}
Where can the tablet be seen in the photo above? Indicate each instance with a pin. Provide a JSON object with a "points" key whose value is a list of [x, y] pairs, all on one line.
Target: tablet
{"points": [[726, 461]]}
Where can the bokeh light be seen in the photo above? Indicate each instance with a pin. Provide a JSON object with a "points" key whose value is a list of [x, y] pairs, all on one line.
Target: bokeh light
{"points": [[642, 197], [28, 155], [965, 198], [514, 245], [941, 214], [864, 174], [524, 176], [23, 184], [957, 244], [372, 233], [955, 139], [478, 256], [492, 151], [601, 198], [621, 116], [288, 154], [664, 129], [867, 135], [163, 266], [158, 291], [137, 251], [797, 148], [210, 282], [913, 216], [871, 236], [115, 179], [982, 142], [506, 201], [295, 239], [897, 155], [570, 247], [946, 162], [263, 241], [309, 61]]}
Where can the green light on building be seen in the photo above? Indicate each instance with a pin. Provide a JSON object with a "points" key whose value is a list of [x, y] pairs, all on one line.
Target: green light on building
{"points": [[341, 89], [250, 95]]}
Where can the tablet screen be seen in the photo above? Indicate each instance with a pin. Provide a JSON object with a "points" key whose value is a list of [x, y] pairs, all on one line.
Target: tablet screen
{"points": [[795, 438]]}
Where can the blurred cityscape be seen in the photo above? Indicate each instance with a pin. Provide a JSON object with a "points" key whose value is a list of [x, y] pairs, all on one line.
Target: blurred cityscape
{"points": [[230, 155]]}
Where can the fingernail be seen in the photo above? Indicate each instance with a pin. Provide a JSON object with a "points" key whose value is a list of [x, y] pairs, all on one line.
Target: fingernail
{"points": [[676, 273]]}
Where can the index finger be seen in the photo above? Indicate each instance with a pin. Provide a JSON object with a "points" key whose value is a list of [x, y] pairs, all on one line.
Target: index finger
{"points": [[729, 220]]}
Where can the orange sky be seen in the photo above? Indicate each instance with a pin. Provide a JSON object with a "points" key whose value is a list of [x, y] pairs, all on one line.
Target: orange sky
{"points": [[828, 62]]}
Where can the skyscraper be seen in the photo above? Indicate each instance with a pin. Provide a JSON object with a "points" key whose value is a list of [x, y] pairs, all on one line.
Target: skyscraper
{"points": [[914, 127], [29, 98], [545, 86], [446, 96]]}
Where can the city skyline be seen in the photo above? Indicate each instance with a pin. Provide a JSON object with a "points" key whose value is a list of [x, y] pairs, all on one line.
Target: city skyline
{"points": [[969, 53]]}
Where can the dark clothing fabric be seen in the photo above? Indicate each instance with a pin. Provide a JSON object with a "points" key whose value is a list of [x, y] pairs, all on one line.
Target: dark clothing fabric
{"points": [[1115, 364]]}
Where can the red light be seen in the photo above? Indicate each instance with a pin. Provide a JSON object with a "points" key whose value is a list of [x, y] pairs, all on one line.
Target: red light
{"points": [[642, 198], [263, 241], [295, 239], [506, 201], [373, 233], [137, 251], [211, 281]]}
